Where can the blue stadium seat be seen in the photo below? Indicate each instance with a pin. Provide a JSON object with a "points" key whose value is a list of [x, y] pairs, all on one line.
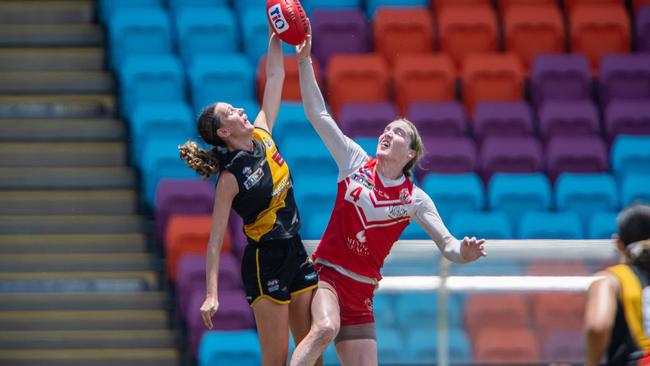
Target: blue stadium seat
{"points": [[489, 266], [455, 192], [419, 310], [308, 155], [489, 225], [384, 310], [249, 5], [138, 31], [150, 79], [602, 225], [314, 224], [635, 188], [239, 347], [390, 346], [314, 192], [257, 24], [107, 7], [291, 124], [630, 154], [414, 232], [368, 144], [372, 5], [206, 32], [422, 346], [225, 78], [586, 194], [311, 5], [159, 120], [178, 5], [515, 194], [330, 357], [550, 225]]}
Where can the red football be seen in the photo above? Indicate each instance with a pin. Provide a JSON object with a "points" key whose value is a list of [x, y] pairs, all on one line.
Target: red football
{"points": [[288, 20]]}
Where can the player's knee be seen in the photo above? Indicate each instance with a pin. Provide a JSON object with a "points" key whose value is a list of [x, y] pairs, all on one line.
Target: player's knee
{"points": [[326, 331]]}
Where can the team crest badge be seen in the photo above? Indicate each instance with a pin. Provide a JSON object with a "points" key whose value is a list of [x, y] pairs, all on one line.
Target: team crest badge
{"points": [[247, 171], [404, 196]]}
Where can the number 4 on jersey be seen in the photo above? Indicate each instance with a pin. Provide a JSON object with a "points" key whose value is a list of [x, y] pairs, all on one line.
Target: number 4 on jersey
{"points": [[356, 194]]}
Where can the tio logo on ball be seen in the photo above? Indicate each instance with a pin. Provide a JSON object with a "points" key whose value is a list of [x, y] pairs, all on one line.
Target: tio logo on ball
{"points": [[277, 18]]}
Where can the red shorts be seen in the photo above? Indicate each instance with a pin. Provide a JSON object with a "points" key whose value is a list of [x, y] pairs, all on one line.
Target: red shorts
{"points": [[355, 298]]}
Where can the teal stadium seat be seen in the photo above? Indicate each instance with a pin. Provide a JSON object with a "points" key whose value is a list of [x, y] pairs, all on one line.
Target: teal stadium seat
{"points": [[138, 31], [372, 5], [383, 305], [455, 192], [206, 31], [177, 5], [390, 346], [550, 225], [516, 194], [368, 144], [419, 310], [422, 346], [256, 24], [489, 266], [107, 7], [489, 225], [314, 192], [635, 188], [239, 348], [330, 357], [314, 224], [602, 225], [414, 232], [311, 5], [291, 124], [160, 160], [586, 194], [630, 154], [308, 155], [147, 78]]}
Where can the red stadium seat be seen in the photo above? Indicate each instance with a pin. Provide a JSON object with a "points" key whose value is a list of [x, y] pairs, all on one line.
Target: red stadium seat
{"points": [[506, 346], [402, 31], [558, 311], [597, 30], [637, 4], [495, 311], [420, 78], [570, 5], [291, 88], [467, 29], [530, 30], [356, 78], [439, 4], [492, 77], [504, 5]]}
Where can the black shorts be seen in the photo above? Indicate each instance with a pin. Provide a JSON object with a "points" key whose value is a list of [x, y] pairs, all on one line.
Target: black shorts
{"points": [[277, 269]]}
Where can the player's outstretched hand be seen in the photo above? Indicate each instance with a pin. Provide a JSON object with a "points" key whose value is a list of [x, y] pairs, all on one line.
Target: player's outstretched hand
{"points": [[208, 309], [472, 249], [303, 50]]}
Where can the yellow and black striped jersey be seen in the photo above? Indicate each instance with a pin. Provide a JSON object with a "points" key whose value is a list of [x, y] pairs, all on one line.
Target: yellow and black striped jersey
{"points": [[265, 200]]}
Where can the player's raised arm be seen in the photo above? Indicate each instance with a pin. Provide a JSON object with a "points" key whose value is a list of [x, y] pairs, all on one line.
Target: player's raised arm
{"points": [[274, 82]]}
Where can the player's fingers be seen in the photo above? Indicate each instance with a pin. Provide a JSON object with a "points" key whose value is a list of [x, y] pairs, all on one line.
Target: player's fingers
{"points": [[204, 317], [481, 241]]}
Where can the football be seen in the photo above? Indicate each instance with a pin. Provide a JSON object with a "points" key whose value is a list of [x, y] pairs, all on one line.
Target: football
{"points": [[288, 20]]}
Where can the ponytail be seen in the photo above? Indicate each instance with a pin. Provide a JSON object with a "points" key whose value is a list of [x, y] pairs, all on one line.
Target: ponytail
{"points": [[204, 162]]}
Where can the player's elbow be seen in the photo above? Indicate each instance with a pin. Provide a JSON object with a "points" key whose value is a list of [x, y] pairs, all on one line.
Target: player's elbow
{"points": [[597, 328]]}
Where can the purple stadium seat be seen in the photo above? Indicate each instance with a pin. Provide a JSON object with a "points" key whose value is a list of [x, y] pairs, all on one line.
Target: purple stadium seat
{"points": [[511, 154], [502, 119], [624, 76], [568, 118], [627, 117], [560, 76], [576, 154], [453, 154], [366, 119], [184, 197], [642, 31], [564, 346], [338, 31], [438, 119], [237, 237], [234, 313]]}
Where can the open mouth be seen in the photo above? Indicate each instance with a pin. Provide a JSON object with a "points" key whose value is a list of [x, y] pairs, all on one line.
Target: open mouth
{"points": [[384, 144]]}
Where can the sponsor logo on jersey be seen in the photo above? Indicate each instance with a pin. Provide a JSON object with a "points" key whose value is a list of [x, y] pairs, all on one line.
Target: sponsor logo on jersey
{"points": [[397, 211], [278, 158], [405, 196], [363, 180], [247, 171], [310, 276], [357, 245], [267, 142], [283, 186], [254, 178], [273, 285], [277, 19]]}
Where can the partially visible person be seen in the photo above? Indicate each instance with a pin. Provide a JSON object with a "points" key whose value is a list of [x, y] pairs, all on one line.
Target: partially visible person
{"points": [[617, 316]]}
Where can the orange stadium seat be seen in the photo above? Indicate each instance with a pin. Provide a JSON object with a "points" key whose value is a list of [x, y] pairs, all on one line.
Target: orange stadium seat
{"points": [[421, 78], [504, 5], [570, 5], [558, 311], [188, 234], [492, 77], [597, 30], [530, 30], [291, 88], [637, 4], [401, 31], [356, 78], [506, 346], [503, 311], [467, 29]]}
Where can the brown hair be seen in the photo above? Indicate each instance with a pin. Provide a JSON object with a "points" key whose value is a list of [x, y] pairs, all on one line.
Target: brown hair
{"points": [[416, 144], [204, 162], [634, 232]]}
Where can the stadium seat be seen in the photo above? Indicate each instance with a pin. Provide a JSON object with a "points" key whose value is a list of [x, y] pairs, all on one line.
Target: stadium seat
{"points": [[510, 154], [291, 124], [439, 4], [634, 189], [568, 118], [516, 194], [570, 5], [242, 6], [492, 77], [586, 194], [642, 29], [107, 7], [438, 119], [383, 305], [602, 225], [366, 119], [576, 154], [237, 238], [368, 144], [150, 79], [339, 31], [312, 6], [465, 30], [555, 267], [454, 192], [419, 310], [488, 225], [502, 119], [307, 154], [506, 346], [291, 86], [228, 78], [630, 154], [505, 5], [314, 192], [177, 6], [554, 311], [500, 311], [422, 346], [565, 346], [314, 224], [550, 225], [638, 5], [560, 77], [400, 31], [451, 155], [598, 30], [627, 117], [390, 346], [625, 77], [206, 31], [181, 197], [230, 348], [356, 78], [257, 24], [414, 232], [489, 266], [373, 5], [423, 78], [138, 31], [531, 30]]}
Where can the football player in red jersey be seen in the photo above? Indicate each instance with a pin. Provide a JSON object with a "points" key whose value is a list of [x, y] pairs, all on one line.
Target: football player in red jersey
{"points": [[375, 202]]}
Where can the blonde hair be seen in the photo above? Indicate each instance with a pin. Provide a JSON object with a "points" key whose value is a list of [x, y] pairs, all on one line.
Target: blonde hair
{"points": [[204, 162], [416, 145]]}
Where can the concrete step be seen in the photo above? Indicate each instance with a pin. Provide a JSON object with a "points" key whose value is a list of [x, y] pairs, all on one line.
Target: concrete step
{"points": [[52, 59], [72, 224], [84, 339], [60, 130], [57, 107], [84, 320], [51, 35], [91, 357], [62, 243], [56, 82], [67, 178], [46, 12], [101, 202], [64, 154], [103, 262], [117, 282], [84, 301]]}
